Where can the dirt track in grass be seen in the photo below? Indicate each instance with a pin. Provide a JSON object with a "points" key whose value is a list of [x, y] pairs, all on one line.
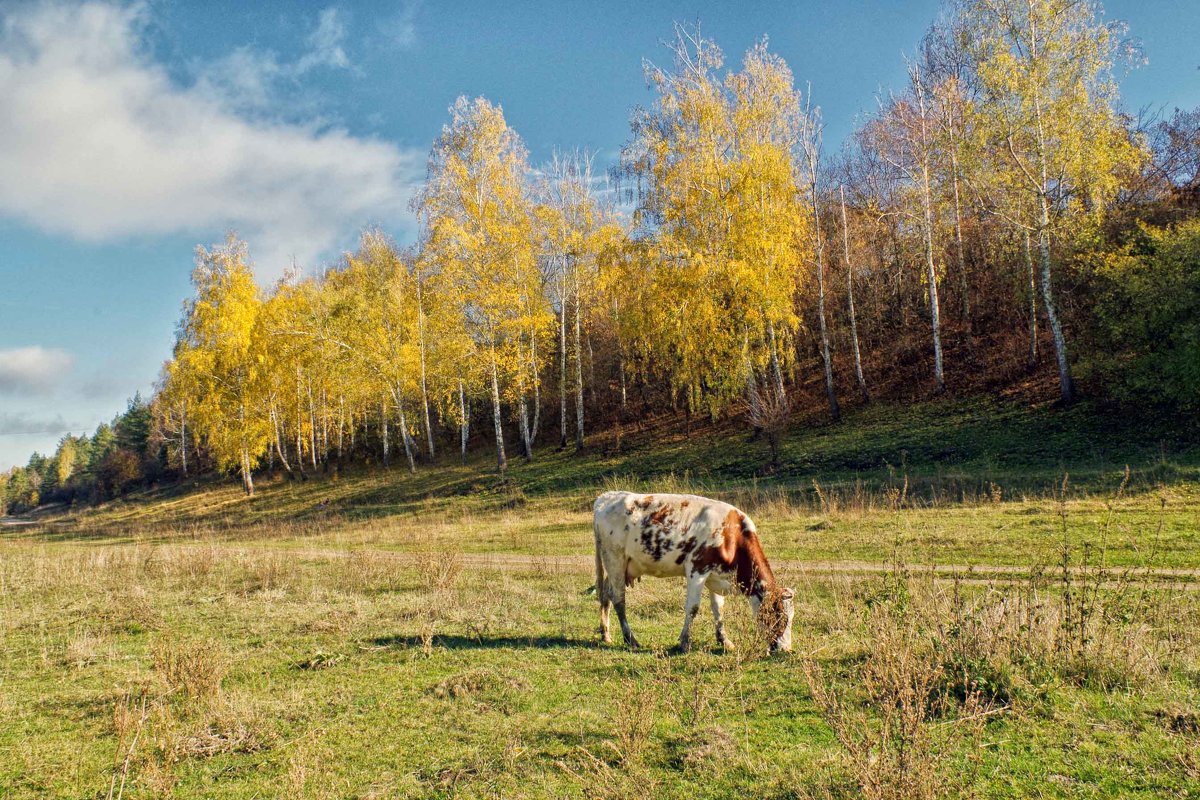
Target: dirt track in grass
{"points": [[1162, 578]]}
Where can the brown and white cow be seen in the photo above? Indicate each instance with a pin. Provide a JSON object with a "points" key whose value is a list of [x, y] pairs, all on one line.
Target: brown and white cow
{"points": [[709, 542]]}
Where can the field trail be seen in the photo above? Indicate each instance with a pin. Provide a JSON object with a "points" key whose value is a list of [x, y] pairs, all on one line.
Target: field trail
{"points": [[1149, 578]]}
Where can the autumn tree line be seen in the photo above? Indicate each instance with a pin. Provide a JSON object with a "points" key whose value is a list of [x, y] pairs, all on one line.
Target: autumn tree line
{"points": [[995, 218]]}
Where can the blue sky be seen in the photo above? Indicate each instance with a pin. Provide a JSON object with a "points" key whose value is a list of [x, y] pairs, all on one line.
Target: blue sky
{"points": [[131, 132]]}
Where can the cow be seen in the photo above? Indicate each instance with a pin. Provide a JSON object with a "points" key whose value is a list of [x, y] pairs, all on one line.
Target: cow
{"points": [[709, 542]]}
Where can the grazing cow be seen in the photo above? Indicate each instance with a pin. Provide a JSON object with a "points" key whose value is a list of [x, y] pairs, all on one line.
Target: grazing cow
{"points": [[708, 542]]}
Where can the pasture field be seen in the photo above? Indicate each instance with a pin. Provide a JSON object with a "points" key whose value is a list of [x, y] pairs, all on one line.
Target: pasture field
{"points": [[434, 635]]}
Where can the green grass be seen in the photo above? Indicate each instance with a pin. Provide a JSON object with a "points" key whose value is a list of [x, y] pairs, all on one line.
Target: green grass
{"points": [[334, 643], [330, 691]]}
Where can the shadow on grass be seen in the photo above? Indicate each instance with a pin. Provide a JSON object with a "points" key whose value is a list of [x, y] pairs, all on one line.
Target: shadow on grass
{"points": [[461, 642], [456, 642]]}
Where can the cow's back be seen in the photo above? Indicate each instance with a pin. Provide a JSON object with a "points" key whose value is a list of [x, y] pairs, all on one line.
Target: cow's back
{"points": [[659, 533]]}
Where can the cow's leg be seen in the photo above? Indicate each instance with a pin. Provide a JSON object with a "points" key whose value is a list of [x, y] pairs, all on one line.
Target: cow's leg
{"points": [[605, 603], [615, 565], [717, 602], [602, 593], [619, 605], [695, 587]]}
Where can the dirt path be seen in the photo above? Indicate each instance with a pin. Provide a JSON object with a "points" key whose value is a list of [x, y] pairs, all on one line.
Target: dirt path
{"points": [[834, 567], [1156, 578], [1165, 578]]}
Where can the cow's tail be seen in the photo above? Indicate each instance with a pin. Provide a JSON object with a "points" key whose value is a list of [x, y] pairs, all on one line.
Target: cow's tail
{"points": [[601, 583]]}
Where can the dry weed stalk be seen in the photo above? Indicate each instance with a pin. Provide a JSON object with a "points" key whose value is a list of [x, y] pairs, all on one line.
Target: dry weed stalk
{"points": [[124, 721], [883, 716]]}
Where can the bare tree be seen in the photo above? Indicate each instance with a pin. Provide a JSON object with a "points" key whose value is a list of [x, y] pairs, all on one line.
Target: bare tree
{"points": [[858, 369], [810, 144], [903, 136]]}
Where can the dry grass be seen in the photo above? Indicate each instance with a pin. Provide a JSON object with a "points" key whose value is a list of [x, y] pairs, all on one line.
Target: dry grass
{"points": [[883, 714], [194, 668], [84, 649], [937, 663], [369, 571], [439, 569]]}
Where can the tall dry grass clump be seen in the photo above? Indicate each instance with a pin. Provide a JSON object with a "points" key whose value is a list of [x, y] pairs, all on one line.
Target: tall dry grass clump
{"points": [[193, 668], [371, 572], [439, 569], [438, 572]]}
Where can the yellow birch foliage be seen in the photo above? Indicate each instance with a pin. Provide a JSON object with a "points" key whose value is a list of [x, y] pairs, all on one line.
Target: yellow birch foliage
{"points": [[1049, 100], [723, 222], [478, 228], [215, 349]]}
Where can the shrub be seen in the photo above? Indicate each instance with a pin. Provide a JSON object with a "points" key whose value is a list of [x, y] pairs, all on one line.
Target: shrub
{"points": [[1143, 330]]}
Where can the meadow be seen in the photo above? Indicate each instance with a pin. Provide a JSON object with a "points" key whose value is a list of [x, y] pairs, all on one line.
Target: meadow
{"points": [[993, 601]]}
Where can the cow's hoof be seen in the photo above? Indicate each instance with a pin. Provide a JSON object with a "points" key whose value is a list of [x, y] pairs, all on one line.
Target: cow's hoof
{"points": [[684, 647], [726, 644], [632, 644]]}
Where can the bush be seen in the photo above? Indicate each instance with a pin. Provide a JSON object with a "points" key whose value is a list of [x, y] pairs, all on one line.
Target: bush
{"points": [[1143, 331], [119, 470]]}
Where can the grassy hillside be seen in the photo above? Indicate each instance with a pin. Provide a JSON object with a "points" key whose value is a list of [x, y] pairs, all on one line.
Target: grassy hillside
{"points": [[951, 482]]}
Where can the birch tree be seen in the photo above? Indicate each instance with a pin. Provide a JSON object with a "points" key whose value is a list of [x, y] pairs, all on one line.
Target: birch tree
{"points": [[811, 146], [577, 227], [858, 369], [1049, 107], [903, 136], [477, 214], [721, 225], [216, 340]]}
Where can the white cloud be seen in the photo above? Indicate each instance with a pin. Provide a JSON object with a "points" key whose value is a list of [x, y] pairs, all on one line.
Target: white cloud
{"points": [[326, 42], [22, 424], [97, 142], [401, 28], [249, 79], [32, 370]]}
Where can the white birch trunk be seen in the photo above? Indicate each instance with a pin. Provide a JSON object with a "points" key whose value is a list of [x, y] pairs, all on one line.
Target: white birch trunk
{"points": [[562, 364], [935, 320], [523, 410], [501, 460], [578, 370], [383, 430], [1066, 385], [312, 429], [1032, 358], [278, 440], [834, 410], [858, 369], [535, 425], [421, 353], [183, 438], [405, 437], [465, 426]]}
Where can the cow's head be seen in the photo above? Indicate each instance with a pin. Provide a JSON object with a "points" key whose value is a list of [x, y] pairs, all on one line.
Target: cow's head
{"points": [[775, 615]]}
